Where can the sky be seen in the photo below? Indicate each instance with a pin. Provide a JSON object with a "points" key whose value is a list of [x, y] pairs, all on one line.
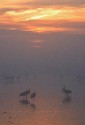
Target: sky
{"points": [[43, 15], [39, 38]]}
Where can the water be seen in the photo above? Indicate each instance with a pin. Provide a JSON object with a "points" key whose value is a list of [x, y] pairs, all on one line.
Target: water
{"points": [[50, 105], [45, 68]]}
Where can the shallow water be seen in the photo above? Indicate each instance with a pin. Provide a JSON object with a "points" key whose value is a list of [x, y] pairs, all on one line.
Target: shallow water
{"points": [[50, 107]]}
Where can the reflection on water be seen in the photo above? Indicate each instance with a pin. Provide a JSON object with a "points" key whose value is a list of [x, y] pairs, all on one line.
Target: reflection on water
{"points": [[67, 99], [33, 106], [28, 103], [24, 102]]}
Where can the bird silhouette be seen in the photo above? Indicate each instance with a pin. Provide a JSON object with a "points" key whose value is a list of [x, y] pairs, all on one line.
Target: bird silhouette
{"points": [[25, 93], [33, 95], [66, 91]]}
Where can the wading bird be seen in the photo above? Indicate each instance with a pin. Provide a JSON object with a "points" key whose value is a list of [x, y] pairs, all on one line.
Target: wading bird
{"points": [[25, 93], [33, 95], [66, 91]]}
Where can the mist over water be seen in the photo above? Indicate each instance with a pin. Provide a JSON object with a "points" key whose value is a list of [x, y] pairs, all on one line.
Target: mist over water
{"points": [[56, 52], [44, 63]]}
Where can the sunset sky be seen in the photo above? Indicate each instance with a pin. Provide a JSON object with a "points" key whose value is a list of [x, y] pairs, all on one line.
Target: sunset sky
{"points": [[42, 48], [43, 15]]}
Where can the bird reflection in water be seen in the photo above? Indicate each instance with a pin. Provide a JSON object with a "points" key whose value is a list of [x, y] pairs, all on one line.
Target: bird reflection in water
{"points": [[24, 102], [33, 106], [67, 99]]}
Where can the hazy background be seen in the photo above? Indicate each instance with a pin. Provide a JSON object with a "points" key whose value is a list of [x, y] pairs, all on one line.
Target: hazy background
{"points": [[49, 53], [43, 62], [42, 47]]}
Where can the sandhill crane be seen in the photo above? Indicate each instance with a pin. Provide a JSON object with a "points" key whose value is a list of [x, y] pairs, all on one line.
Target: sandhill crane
{"points": [[25, 93], [66, 91], [33, 95]]}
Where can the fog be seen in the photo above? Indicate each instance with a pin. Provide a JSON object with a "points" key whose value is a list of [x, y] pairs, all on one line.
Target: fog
{"points": [[43, 62], [42, 53]]}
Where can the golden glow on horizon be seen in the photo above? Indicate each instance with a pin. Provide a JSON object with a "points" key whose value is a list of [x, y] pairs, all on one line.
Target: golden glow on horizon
{"points": [[38, 41], [40, 19], [47, 14]]}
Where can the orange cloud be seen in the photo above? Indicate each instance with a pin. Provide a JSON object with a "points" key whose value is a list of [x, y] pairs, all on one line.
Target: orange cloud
{"points": [[44, 19], [67, 13]]}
